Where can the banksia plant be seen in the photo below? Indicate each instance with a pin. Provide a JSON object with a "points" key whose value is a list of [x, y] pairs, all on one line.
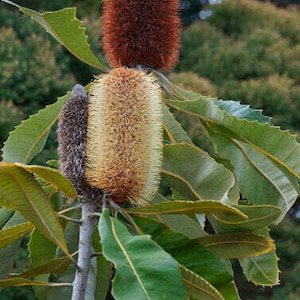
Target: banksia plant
{"points": [[143, 33], [110, 141]]}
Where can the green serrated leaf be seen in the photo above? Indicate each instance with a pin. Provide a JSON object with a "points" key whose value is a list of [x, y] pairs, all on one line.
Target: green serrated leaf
{"points": [[242, 111], [264, 138], [140, 262], [195, 174], [238, 244], [197, 287], [29, 138], [20, 191], [63, 26], [259, 216], [263, 269], [12, 234], [53, 177], [188, 207]]}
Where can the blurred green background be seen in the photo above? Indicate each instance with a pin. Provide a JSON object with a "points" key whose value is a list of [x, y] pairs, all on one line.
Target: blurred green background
{"points": [[244, 50]]}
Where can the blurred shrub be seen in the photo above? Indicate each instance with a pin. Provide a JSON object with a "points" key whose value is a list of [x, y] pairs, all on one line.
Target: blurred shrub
{"points": [[272, 94], [29, 73], [193, 82], [236, 18], [10, 116]]}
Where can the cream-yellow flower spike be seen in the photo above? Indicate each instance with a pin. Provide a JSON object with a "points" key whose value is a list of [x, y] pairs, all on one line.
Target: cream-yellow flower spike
{"points": [[123, 147]]}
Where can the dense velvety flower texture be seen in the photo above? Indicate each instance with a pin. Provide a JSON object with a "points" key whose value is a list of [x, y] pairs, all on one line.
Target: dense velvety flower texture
{"points": [[111, 140], [137, 32]]}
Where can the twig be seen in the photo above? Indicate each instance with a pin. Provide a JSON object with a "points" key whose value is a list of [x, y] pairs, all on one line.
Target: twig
{"points": [[85, 247]]}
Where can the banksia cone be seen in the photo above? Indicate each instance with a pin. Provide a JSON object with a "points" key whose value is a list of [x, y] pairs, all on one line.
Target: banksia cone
{"points": [[141, 32], [122, 138]]}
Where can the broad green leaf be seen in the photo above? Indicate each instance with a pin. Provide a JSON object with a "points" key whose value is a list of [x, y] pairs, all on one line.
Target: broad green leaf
{"points": [[270, 184], [238, 244], [197, 287], [151, 272], [187, 252], [173, 129], [188, 207], [63, 26], [53, 177], [27, 282], [12, 234], [259, 216], [263, 269], [7, 254], [40, 249], [20, 191], [29, 138], [195, 174]]}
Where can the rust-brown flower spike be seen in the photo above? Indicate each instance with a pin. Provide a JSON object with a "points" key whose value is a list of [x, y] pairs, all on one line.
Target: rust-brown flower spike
{"points": [[141, 32], [118, 149]]}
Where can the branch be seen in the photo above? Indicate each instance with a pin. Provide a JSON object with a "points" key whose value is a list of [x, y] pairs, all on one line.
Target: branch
{"points": [[84, 248]]}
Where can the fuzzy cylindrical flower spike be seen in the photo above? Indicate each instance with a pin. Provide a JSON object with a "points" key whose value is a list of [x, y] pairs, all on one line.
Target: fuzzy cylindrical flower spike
{"points": [[122, 138], [146, 33]]}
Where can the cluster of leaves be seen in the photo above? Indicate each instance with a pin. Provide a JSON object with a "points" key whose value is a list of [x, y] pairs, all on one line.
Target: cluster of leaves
{"points": [[249, 51], [164, 252]]}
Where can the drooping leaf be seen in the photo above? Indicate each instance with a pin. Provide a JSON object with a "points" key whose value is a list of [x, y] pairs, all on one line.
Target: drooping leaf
{"points": [[7, 254], [5, 215], [140, 262], [63, 26], [197, 287], [259, 216], [263, 269], [27, 282], [53, 177], [238, 244], [195, 174], [173, 129], [12, 234], [20, 191], [184, 224], [29, 138], [57, 265], [188, 207]]}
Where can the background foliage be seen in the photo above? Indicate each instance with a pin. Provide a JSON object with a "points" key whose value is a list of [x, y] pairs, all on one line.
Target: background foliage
{"points": [[246, 50]]}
